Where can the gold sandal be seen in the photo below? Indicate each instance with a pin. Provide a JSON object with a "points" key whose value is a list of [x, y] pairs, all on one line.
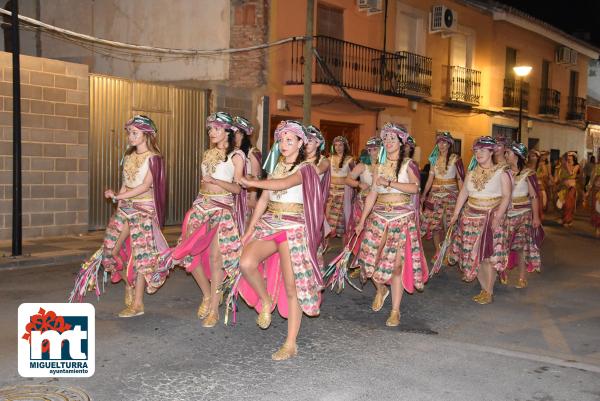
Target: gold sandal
{"points": [[394, 319], [131, 312], [264, 317], [204, 308], [211, 320], [379, 299], [522, 283], [285, 352], [485, 298]]}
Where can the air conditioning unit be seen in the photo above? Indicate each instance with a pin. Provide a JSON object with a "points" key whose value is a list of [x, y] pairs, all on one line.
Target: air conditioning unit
{"points": [[566, 55], [370, 6], [442, 19], [363, 5]]}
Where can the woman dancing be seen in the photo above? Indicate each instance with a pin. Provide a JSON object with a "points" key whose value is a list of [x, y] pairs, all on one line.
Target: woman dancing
{"points": [[284, 232]]}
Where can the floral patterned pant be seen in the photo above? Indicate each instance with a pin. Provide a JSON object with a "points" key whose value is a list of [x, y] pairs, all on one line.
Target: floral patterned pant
{"points": [[402, 232], [144, 252], [436, 219], [307, 289], [466, 248], [335, 211], [520, 226], [205, 213]]}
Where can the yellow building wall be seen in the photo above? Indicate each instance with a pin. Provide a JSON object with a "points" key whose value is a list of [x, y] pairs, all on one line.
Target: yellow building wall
{"points": [[425, 117]]}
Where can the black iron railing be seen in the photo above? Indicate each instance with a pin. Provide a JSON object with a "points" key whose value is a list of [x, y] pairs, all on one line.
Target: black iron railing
{"points": [[512, 93], [353, 66], [576, 110], [465, 85], [549, 102]]}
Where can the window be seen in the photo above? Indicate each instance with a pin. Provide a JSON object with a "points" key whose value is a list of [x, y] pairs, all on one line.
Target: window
{"points": [[502, 131], [573, 83], [410, 29], [545, 74], [511, 61], [330, 21]]}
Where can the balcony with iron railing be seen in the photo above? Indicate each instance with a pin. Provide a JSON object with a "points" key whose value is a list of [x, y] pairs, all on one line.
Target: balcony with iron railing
{"points": [[464, 85], [576, 110], [512, 94], [353, 66], [549, 102]]}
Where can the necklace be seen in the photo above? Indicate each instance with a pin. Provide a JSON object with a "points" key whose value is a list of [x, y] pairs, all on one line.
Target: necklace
{"points": [[133, 163], [388, 169], [281, 171], [212, 158], [481, 176]]}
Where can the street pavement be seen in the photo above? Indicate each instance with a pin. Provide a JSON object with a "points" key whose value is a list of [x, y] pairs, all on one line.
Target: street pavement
{"points": [[541, 343]]}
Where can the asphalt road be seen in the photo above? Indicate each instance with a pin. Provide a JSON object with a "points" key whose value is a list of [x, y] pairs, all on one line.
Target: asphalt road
{"points": [[541, 343]]}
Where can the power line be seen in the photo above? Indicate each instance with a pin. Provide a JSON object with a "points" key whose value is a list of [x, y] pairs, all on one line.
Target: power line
{"points": [[143, 48]]}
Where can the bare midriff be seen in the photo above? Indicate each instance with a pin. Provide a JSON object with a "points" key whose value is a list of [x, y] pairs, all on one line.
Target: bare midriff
{"points": [[146, 196], [338, 180], [213, 189]]}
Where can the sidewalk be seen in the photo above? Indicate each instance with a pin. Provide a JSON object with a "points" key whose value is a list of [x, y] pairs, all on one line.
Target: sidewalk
{"points": [[61, 250]]}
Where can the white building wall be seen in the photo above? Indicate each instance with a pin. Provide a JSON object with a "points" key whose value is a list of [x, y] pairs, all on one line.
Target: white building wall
{"points": [[192, 24]]}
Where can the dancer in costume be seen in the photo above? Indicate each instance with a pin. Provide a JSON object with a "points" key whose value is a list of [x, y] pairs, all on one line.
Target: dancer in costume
{"points": [[523, 217], [502, 144], [566, 178], [593, 194], [445, 180], [361, 178], [133, 240], [339, 203], [391, 251], [314, 154], [243, 131], [534, 163], [480, 240], [284, 233], [209, 247]]}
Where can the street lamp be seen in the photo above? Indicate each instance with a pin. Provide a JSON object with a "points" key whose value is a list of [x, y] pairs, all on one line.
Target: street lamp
{"points": [[521, 71]]}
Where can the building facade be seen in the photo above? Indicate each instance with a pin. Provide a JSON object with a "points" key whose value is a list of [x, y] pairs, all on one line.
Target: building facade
{"points": [[446, 66]]}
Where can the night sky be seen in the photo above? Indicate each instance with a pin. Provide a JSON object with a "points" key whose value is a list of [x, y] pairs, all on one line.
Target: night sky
{"points": [[574, 17]]}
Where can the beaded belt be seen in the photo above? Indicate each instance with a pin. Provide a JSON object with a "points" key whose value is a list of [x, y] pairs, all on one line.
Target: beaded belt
{"points": [[393, 199], [212, 193], [144, 199], [285, 208], [521, 201], [440, 181], [484, 203]]}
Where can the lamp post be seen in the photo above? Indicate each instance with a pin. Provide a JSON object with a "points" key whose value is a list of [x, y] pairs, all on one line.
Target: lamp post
{"points": [[521, 71]]}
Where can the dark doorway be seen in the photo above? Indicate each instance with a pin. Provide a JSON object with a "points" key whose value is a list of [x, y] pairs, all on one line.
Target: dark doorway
{"points": [[331, 129]]}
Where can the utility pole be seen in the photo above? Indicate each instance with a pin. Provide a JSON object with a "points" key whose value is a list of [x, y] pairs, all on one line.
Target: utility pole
{"points": [[17, 227], [308, 49]]}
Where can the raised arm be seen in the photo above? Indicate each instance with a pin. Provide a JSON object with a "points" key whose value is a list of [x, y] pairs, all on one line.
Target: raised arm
{"points": [[352, 178], [323, 166], [140, 189], [277, 184]]}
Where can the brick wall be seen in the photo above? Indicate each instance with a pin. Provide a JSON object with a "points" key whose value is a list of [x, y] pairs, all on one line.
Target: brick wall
{"points": [[248, 27], [54, 106]]}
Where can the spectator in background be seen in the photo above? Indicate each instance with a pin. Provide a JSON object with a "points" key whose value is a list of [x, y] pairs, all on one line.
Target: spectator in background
{"points": [[588, 169]]}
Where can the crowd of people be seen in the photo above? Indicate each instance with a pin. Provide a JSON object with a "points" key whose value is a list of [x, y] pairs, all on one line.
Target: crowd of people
{"points": [[262, 237]]}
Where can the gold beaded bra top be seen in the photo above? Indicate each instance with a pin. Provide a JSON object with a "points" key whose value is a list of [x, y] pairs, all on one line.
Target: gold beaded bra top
{"points": [[290, 195]]}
